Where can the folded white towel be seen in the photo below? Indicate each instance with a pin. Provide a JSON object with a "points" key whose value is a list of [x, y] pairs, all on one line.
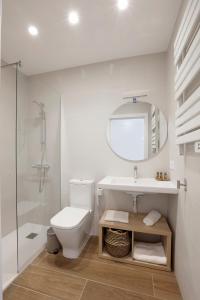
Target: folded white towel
{"points": [[152, 218], [116, 216], [149, 252]]}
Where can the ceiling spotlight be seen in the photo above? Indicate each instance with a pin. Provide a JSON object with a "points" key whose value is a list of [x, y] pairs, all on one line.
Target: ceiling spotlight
{"points": [[33, 30], [73, 18], [122, 4]]}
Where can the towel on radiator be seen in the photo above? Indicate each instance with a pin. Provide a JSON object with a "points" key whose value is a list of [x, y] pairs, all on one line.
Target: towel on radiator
{"points": [[149, 252], [152, 218]]}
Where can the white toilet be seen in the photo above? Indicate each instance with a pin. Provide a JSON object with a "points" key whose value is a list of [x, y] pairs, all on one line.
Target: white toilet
{"points": [[72, 225]]}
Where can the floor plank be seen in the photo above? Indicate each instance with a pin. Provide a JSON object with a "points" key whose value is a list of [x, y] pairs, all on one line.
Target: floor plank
{"points": [[54, 284], [19, 293], [91, 249], [97, 291], [115, 275], [91, 252], [39, 257], [53, 277], [166, 288]]}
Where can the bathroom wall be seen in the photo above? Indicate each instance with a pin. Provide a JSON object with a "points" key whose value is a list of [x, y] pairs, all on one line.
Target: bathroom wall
{"points": [[90, 94], [184, 211]]}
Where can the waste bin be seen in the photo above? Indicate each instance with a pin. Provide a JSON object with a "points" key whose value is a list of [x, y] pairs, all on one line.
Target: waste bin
{"points": [[53, 245]]}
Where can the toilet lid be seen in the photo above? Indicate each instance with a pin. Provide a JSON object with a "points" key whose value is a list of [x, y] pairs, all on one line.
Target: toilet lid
{"points": [[69, 217]]}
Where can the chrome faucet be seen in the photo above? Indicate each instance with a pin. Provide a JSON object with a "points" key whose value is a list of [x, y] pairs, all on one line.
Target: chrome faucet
{"points": [[135, 172]]}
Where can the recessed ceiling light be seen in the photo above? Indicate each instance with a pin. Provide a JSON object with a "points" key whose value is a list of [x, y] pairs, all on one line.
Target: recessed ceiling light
{"points": [[73, 18], [33, 30], [122, 4]]}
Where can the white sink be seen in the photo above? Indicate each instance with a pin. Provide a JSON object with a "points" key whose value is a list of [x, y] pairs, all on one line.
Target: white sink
{"points": [[145, 185]]}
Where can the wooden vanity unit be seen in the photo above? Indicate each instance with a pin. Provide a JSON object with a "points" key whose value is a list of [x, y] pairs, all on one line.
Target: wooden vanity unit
{"points": [[136, 225]]}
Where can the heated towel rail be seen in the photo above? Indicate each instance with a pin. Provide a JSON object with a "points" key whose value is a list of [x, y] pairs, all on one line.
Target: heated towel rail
{"points": [[187, 79]]}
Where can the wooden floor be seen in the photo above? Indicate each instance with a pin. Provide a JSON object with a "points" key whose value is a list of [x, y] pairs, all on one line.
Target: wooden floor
{"points": [[52, 277]]}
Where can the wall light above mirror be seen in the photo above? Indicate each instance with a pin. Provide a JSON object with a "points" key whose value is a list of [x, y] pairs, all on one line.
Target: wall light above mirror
{"points": [[137, 131]]}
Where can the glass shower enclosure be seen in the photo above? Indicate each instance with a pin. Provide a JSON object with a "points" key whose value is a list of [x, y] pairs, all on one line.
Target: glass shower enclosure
{"points": [[30, 169]]}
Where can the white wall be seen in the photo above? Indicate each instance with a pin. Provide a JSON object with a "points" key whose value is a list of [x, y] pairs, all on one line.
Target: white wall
{"points": [[184, 212], [89, 95]]}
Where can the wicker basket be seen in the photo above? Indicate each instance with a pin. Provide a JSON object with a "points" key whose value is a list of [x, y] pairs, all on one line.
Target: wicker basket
{"points": [[117, 242]]}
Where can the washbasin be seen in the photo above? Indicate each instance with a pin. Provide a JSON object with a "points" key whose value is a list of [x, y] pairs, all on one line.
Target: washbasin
{"points": [[130, 181], [145, 185]]}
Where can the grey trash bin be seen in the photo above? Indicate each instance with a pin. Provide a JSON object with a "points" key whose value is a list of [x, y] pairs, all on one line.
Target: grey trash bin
{"points": [[53, 245]]}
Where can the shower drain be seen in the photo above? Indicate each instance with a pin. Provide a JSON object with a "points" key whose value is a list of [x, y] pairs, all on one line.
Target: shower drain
{"points": [[31, 236]]}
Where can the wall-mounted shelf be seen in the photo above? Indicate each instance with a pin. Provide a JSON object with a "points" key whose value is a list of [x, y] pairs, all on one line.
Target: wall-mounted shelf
{"points": [[187, 81], [136, 225]]}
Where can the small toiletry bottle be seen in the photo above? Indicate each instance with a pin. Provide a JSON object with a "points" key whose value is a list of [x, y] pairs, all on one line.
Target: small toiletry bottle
{"points": [[157, 176], [161, 176], [166, 176]]}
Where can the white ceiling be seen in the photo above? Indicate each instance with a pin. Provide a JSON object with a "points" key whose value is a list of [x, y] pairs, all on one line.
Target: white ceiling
{"points": [[104, 33]]}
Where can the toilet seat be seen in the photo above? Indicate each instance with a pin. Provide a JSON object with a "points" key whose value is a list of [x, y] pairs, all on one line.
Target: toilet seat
{"points": [[69, 217]]}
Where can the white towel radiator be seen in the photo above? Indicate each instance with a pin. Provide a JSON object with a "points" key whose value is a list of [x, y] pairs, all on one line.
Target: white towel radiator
{"points": [[187, 80]]}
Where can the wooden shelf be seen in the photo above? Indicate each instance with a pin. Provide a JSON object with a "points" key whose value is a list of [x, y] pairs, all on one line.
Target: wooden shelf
{"points": [[136, 225], [129, 260]]}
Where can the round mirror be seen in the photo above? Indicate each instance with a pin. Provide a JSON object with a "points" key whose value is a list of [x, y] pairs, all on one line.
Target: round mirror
{"points": [[137, 131]]}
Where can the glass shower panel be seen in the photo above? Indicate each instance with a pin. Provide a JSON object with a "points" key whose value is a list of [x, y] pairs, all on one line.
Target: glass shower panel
{"points": [[38, 169], [8, 173]]}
